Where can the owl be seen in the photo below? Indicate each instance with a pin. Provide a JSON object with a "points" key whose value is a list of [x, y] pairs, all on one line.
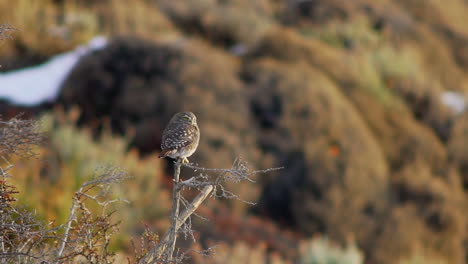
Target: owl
{"points": [[180, 137]]}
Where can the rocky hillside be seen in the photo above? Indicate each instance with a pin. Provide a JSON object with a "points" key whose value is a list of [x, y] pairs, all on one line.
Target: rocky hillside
{"points": [[346, 95]]}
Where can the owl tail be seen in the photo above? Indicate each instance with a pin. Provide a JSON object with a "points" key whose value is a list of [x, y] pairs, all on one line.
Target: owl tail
{"points": [[164, 153]]}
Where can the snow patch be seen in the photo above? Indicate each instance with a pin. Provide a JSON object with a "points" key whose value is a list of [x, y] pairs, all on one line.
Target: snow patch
{"points": [[455, 101], [41, 83]]}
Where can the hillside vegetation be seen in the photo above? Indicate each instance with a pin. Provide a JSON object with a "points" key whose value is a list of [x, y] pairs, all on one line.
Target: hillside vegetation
{"points": [[345, 94]]}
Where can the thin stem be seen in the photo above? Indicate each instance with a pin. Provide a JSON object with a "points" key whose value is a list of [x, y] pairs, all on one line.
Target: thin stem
{"points": [[3, 248], [157, 251], [163, 252], [71, 218], [175, 210]]}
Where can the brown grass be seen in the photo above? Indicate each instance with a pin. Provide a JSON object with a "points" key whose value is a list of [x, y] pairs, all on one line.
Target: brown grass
{"points": [[46, 27], [344, 94]]}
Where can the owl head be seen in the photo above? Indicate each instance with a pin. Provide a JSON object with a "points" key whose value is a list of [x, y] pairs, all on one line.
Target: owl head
{"points": [[184, 117]]}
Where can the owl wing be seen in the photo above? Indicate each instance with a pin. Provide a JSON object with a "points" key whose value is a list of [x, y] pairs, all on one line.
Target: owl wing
{"points": [[179, 136]]}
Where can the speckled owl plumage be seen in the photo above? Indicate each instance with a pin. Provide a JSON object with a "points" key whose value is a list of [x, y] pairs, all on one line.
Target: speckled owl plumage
{"points": [[180, 137]]}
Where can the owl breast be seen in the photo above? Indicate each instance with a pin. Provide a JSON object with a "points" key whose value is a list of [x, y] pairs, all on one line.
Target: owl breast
{"points": [[180, 139], [183, 152]]}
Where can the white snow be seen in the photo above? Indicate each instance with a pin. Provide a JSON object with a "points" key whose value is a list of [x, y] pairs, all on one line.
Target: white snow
{"points": [[455, 101], [239, 49], [41, 83]]}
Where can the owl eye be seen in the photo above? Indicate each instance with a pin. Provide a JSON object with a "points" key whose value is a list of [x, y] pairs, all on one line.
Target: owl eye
{"points": [[186, 118]]}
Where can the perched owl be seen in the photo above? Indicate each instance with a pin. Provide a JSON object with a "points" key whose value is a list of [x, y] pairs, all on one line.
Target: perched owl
{"points": [[180, 137]]}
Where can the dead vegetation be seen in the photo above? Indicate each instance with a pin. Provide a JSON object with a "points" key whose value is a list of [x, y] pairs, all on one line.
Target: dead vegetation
{"points": [[25, 238], [86, 235], [346, 93], [207, 185]]}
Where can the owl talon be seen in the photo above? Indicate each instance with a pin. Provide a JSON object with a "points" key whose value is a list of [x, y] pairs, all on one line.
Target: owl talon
{"points": [[182, 161]]}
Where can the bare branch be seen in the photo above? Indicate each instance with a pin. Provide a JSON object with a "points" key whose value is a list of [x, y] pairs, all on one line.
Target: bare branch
{"points": [[239, 171], [208, 185], [157, 251], [18, 137], [5, 31], [87, 232], [106, 176], [20, 231], [175, 212]]}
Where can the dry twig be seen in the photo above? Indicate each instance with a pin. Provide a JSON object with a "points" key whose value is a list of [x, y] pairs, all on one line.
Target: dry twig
{"points": [[5, 31], [91, 232], [163, 252], [19, 137]]}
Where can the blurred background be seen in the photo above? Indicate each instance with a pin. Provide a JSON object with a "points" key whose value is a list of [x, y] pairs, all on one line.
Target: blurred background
{"points": [[361, 101]]}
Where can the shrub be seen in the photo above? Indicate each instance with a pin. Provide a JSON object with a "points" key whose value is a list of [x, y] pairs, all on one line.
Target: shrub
{"points": [[322, 251]]}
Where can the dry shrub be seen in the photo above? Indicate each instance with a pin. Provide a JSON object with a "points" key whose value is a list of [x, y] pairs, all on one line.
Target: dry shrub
{"points": [[321, 250], [438, 61], [334, 18], [320, 201], [241, 252], [48, 27], [424, 101], [139, 84], [405, 74], [350, 70], [24, 237], [458, 153], [70, 158], [224, 23], [318, 11], [426, 190], [434, 31], [451, 15], [5, 30], [287, 110], [366, 29], [287, 45], [459, 48], [427, 216], [306, 97], [310, 126], [18, 137], [415, 141], [227, 227]]}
